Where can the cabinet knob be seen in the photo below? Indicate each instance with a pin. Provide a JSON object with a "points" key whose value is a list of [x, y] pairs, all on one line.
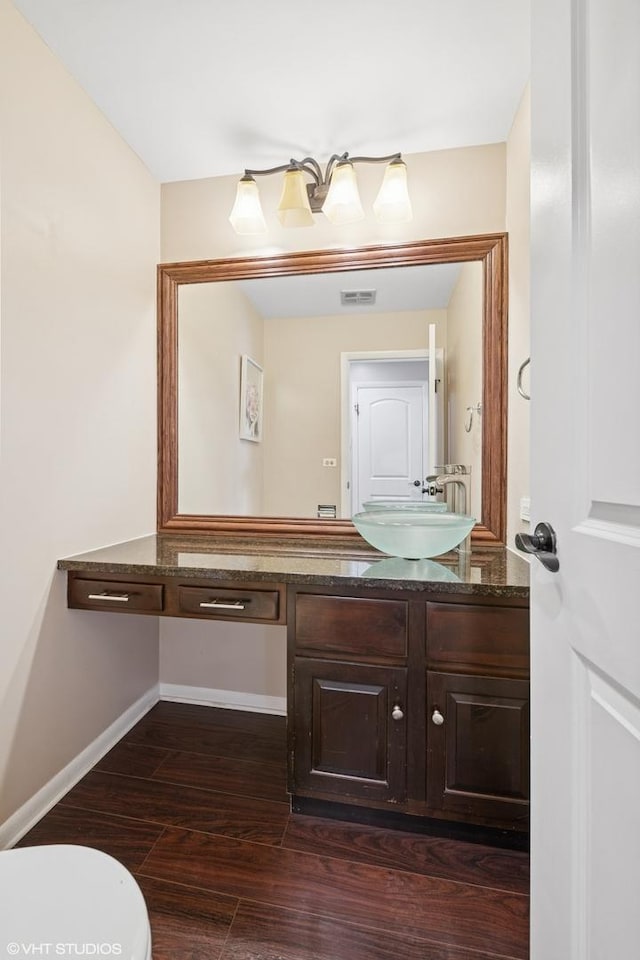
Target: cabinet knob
{"points": [[397, 713], [437, 718]]}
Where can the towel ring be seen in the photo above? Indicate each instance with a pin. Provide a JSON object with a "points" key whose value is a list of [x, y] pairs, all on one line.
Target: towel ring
{"points": [[519, 381], [468, 423]]}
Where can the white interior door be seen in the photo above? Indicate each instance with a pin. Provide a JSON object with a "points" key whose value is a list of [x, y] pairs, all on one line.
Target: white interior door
{"points": [[389, 440], [585, 388]]}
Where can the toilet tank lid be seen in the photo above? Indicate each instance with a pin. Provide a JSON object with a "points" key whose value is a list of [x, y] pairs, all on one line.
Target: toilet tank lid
{"points": [[67, 893]]}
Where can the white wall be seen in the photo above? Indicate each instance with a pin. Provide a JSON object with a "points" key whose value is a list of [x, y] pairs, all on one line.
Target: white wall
{"points": [[79, 218], [518, 225], [454, 193]]}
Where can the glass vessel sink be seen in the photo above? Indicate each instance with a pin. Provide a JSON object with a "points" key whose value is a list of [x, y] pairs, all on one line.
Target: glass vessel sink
{"points": [[412, 534], [424, 506], [397, 568]]}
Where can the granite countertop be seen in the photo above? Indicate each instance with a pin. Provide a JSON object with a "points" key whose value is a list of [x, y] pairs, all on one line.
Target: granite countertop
{"points": [[488, 571]]}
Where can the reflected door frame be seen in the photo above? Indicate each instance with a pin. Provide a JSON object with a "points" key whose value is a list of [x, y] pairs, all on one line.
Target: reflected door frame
{"points": [[346, 429]]}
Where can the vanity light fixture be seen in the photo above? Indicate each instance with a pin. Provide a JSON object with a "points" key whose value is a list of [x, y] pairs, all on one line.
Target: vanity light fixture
{"points": [[334, 193]]}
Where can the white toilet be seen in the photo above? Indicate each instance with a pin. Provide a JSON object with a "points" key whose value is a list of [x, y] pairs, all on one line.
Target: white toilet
{"points": [[74, 902]]}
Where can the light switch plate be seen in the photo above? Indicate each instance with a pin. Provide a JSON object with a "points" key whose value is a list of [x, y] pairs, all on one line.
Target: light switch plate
{"points": [[525, 508]]}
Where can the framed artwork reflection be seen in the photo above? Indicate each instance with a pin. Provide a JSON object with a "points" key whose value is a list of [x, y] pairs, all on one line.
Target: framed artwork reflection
{"points": [[250, 400]]}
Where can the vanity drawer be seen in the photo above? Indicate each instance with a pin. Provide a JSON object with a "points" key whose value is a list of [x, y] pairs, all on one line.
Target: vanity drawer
{"points": [[229, 603], [473, 638], [123, 595], [328, 626]]}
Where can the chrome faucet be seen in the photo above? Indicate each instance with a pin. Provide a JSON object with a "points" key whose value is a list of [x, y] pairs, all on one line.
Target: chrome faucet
{"points": [[460, 502], [437, 483]]}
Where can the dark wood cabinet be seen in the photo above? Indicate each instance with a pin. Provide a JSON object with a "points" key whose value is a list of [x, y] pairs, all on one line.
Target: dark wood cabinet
{"points": [[170, 596], [415, 704], [350, 729], [348, 695], [478, 746], [125, 596], [486, 639], [409, 700]]}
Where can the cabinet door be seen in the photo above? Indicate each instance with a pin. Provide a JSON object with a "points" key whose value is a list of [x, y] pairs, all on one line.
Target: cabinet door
{"points": [[350, 729], [478, 747]]}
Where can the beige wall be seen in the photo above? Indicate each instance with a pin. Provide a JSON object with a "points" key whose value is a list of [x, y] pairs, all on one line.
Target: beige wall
{"points": [[518, 223], [219, 472], [464, 376], [250, 658], [454, 193], [79, 218]]}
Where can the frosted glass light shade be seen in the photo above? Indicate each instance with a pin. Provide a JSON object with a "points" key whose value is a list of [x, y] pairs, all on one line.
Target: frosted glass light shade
{"points": [[294, 209], [392, 205], [343, 200], [247, 217]]}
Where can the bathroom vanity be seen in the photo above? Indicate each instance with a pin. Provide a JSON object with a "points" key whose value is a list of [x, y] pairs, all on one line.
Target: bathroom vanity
{"points": [[407, 680], [407, 688]]}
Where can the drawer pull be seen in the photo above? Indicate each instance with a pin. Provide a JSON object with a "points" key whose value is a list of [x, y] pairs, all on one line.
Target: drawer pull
{"points": [[112, 597], [397, 713], [437, 718], [222, 605]]}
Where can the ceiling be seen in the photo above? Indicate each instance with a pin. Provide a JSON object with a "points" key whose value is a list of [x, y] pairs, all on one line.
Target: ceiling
{"points": [[201, 88], [317, 295]]}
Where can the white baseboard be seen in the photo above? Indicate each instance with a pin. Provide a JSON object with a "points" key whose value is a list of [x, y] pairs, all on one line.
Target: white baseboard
{"points": [[40, 803], [228, 699]]}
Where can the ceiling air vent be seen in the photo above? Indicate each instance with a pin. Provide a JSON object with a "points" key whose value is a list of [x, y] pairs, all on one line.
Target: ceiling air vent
{"points": [[357, 298]]}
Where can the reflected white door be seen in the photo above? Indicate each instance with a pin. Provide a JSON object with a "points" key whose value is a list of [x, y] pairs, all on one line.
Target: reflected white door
{"points": [[388, 439], [585, 411]]}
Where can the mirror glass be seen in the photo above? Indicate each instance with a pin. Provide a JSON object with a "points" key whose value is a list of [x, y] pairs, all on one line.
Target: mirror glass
{"points": [[330, 406], [294, 388]]}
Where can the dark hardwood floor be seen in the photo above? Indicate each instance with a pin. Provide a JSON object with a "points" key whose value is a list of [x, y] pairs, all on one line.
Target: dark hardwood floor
{"points": [[193, 801]]}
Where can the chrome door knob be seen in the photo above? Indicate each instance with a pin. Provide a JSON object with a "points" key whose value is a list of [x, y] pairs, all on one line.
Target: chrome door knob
{"points": [[397, 713], [437, 718]]}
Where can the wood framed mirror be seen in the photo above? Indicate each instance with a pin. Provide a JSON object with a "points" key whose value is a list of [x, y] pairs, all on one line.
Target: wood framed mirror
{"points": [[490, 251]]}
